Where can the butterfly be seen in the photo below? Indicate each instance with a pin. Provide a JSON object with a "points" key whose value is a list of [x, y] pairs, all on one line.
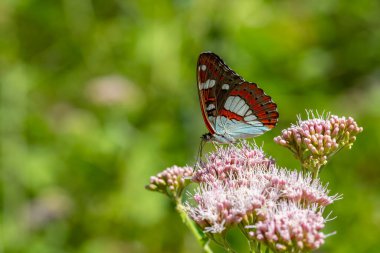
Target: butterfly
{"points": [[232, 108]]}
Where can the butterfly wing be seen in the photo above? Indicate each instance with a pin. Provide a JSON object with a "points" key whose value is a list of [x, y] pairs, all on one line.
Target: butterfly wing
{"points": [[215, 79], [247, 112], [231, 107]]}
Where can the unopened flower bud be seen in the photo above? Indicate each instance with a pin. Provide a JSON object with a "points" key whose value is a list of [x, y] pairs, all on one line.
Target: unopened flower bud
{"points": [[319, 137]]}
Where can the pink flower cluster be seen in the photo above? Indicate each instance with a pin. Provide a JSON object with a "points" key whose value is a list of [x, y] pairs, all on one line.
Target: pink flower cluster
{"points": [[238, 185], [171, 181], [228, 160], [222, 204], [273, 206], [299, 187], [315, 140], [290, 227]]}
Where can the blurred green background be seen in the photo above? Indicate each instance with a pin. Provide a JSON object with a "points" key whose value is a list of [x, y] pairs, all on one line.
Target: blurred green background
{"points": [[97, 96]]}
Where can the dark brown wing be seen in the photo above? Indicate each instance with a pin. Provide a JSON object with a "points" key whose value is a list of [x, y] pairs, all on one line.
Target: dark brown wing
{"points": [[215, 80]]}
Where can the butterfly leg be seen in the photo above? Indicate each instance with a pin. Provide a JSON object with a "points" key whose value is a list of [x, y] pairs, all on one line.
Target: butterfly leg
{"points": [[200, 152]]}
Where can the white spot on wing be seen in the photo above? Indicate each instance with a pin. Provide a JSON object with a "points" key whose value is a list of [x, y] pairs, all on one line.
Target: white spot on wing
{"points": [[255, 123], [207, 85], [233, 102], [243, 110], [210, 107], [228, 103], [250, 118], [211, 83], [203, 67], [238, 105], [225, 86]]}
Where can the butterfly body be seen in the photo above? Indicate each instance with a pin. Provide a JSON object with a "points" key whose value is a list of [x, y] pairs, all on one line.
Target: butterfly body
{"points": [[232, 108]]}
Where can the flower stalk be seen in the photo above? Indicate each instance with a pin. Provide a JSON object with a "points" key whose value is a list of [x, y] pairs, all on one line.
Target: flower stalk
{"points": [[202, 239]]}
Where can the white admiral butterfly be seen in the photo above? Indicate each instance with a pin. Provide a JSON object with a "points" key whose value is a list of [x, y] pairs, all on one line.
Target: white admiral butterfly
{"points": [[232, 108]]}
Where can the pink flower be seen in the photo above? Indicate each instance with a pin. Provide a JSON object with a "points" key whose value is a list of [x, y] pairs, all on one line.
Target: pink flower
{"points": [[219, 165], [290, 227], [222, 204], [171, 181], [252, 189], [315, 140], [299, 187]]}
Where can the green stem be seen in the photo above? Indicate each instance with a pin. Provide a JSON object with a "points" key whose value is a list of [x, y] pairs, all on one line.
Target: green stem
{"points": [[199, 235], [220, 239], [228, 247], [254, 246], [303, 168], [315, 173]]}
